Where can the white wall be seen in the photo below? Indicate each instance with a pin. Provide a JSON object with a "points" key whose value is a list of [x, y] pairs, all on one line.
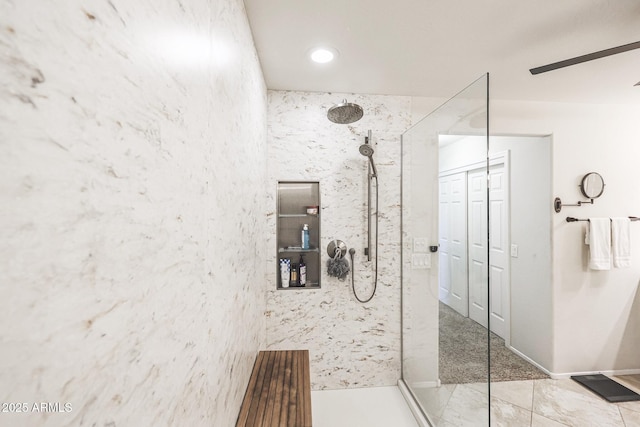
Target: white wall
{"points": [[595, 319], [530, 224], [133, 211], [596, 315], [351, 344]]}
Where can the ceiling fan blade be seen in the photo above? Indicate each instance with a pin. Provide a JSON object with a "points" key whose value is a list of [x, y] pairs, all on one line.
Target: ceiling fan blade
{"points": [[585, 58]]}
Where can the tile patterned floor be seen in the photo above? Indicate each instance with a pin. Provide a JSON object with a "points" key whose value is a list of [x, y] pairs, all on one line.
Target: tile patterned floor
{"points": [[530, 403], [535, 403]]}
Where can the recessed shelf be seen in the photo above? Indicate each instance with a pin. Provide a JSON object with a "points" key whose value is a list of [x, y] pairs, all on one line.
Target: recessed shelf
{"points": [[298, 250], [296, 200], [293, 288]]}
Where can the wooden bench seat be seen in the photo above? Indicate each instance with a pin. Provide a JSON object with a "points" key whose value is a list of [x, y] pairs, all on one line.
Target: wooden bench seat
{"points": [[279, 391]]}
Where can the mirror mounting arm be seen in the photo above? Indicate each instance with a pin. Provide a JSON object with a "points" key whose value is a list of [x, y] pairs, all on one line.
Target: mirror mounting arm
{"points": [[557, 204], [580, 203]]}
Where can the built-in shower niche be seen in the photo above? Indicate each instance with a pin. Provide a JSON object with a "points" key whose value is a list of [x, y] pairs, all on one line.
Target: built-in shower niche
{"points": [[298, 204]]}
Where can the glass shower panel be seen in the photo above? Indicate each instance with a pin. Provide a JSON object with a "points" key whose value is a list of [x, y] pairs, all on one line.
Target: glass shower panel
{"points": [[445, 353]]}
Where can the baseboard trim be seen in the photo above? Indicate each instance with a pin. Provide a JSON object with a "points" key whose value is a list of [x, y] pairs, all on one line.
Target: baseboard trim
{"points": [[567, 375], [533, 362], [608, 373]]}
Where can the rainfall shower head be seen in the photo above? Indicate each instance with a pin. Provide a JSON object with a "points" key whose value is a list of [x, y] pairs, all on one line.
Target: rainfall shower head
{"points": [[345, 113], [367, 151]]}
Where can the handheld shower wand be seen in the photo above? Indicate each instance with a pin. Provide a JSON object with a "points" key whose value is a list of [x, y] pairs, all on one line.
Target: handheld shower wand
{"points": [[366, 150]]}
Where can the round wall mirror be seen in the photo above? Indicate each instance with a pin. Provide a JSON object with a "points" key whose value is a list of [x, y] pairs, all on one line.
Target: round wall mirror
{"points": [[592, 185]]}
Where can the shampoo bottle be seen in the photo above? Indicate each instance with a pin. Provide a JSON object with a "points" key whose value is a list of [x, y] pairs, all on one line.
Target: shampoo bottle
{"points": [[285, 272], [302, 275]]}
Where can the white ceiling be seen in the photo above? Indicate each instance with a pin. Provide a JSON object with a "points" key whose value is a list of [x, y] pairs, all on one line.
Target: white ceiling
{"points": [[436, 47]]}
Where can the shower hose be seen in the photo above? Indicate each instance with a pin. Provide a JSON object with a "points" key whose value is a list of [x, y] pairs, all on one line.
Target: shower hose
{"points": [[352, 253]]}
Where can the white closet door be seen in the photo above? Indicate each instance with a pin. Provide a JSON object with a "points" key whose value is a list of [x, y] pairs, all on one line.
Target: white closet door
{"points": [[453, 278], [477, 200], [499, 277]]}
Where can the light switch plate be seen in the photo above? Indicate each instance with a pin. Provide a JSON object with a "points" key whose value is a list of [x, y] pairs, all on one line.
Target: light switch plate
{"points": [[421, 261], [420, 245]]}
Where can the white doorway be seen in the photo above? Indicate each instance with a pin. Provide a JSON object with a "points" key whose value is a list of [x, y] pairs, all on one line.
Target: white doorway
{"points": [[499, 239], [477, 237], [464, 228], [453, 282]]}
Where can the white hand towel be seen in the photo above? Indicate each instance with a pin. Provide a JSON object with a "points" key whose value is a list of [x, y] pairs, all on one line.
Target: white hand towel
{"points": [[621, 242], [599, 241]]}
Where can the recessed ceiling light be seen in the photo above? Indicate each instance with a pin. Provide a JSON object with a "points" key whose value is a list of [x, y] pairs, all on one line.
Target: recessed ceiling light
{"points": [[322, 55]]}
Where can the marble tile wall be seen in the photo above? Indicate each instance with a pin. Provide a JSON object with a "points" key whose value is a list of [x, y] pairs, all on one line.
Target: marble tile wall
{"points": [[351, 344], [132, 209]]}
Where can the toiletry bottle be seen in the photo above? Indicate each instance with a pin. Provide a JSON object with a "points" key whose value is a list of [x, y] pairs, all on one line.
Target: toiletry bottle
{"points": [[293, 280], [305, 236], [302, 272], [285, 272]]}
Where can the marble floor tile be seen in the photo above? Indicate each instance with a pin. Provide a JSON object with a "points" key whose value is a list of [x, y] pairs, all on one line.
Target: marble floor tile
{"points": [[631, 406], [505, 414], [537, 403], [481, 387], [569, 403], [467, 407], [518, 393], [540, 421], [630, 418], [444, 423], [435, 399]]}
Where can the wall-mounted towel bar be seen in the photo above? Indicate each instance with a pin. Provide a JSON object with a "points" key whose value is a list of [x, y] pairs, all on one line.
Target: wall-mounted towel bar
{"points": [[572, 219]]}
